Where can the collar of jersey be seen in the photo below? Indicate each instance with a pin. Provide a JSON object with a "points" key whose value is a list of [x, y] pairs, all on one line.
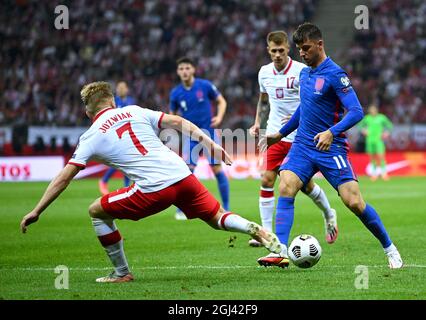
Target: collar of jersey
{"points": [[190, 88], [321, 66], [285, 70], [101, 113]]}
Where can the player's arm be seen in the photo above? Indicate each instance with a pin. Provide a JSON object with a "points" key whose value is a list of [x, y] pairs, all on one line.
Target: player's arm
{"points": [[262, 113], [55, 188], [221, 109], [350, 102], [191, 130], [285, 130]]}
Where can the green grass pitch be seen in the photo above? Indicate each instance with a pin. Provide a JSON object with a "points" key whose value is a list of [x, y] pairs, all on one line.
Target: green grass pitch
{"points": [[188, 260]]}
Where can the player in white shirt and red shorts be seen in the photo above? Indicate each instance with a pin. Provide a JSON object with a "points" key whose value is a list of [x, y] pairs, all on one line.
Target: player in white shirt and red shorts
{"points": [[127, 140], [278, 100]]}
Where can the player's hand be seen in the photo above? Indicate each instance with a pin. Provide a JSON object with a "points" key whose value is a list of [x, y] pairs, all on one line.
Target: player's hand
{"points": [[385, 135], [285, 120], [216, 121], [28, 219], [364, 132], [324, 139], [220, 154], [269, 140], [254, 130]]}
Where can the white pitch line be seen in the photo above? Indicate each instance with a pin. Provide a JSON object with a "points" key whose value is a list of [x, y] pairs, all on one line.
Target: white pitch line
{"points": [[183, 267]]}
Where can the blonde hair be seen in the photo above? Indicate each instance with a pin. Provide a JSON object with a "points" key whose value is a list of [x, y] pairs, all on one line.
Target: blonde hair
{"points": [[277, 37], [95, 93]]}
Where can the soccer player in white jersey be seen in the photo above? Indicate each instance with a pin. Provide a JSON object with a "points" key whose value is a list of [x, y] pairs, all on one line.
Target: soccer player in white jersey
{"points": [[279, 99], [126, 139]]}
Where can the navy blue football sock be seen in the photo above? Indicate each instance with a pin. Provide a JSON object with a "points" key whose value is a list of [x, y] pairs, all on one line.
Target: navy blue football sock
{"points": [[284, 218], [372, 221]]}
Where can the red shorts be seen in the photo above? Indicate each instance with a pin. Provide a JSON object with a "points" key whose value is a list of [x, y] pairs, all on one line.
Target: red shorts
{"points": [[275, 155], [189, 195]]}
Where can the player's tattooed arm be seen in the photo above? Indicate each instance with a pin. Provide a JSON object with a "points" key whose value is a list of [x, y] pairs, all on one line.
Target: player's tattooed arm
{"points": [[264, 108], [262, 114]]}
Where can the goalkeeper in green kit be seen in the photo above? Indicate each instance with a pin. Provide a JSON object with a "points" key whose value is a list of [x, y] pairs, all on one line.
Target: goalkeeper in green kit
{"points": [[376, 128]]}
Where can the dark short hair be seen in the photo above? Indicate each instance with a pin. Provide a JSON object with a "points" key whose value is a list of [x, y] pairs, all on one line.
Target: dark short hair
{"points": [[185, 60], [306, 31]]}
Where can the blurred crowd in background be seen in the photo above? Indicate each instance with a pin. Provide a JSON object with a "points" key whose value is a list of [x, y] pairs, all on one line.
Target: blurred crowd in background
{"points": [[387, 63], [43, 69]]}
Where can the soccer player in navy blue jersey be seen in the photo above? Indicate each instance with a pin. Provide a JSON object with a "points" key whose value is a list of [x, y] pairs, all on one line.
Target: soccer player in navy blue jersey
{"points": [[320, 143], [192, 99], [122, 99]]}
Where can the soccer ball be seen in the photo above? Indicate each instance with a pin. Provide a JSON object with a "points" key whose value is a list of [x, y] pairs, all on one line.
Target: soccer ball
{"points": [[304, 251]]}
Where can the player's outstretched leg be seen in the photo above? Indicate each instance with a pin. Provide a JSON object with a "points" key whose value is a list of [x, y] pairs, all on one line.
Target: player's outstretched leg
{"points": [[266, 202], [352, 198], [111, 240], [290, 184], [330, 216], [103, 183], [179, 215], [229, 221]]}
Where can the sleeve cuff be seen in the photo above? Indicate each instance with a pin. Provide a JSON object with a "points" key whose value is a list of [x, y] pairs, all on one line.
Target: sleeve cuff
{"points": [[159, 120], [81, 166]]}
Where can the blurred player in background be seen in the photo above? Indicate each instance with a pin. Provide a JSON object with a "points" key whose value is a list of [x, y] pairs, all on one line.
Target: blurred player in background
{"points": [[122, 99], [127, 140], [278, 99], [192, 100], [320, 143], [376, 128]]}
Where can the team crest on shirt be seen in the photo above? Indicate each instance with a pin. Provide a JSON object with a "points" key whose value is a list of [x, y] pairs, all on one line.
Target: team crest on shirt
{"points": [[319, 84], [200, 95]]}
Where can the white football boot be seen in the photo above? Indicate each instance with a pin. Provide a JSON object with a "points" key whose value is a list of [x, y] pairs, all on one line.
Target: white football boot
{"points": [[275, 259], [394, 258], [331, 230]]}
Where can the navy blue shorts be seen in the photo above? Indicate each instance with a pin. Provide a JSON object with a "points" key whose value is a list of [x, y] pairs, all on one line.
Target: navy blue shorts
{"points": [[305, 162]]}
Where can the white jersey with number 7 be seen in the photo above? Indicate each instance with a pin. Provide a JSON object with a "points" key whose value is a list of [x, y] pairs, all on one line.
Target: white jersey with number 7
{"points": [[126, 139]]}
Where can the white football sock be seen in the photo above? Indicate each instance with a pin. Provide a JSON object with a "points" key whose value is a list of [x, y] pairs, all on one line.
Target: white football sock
{"points": [[320, 199], [233, 222], [266, 209], [110, 239]]}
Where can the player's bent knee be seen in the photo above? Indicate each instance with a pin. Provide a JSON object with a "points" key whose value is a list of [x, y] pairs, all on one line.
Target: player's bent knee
{"points": [[287, 189], [268, 180], [355, 204], [309, 187], [95, 209]]}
